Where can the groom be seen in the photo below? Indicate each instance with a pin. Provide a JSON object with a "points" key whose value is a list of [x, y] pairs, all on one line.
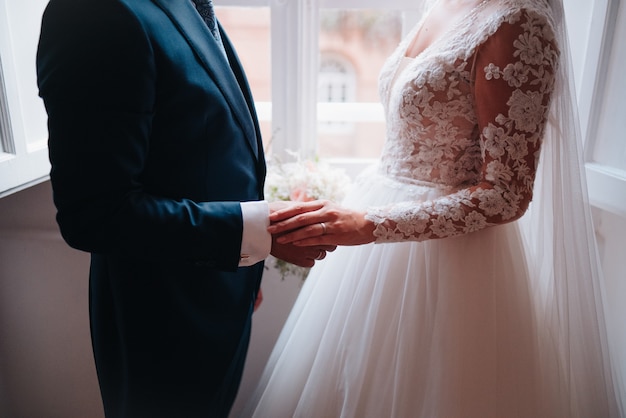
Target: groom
{"points": [[158, 171]]}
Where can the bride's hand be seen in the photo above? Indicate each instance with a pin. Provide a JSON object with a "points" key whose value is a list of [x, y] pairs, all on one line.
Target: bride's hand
{"points": [[320, 222]]}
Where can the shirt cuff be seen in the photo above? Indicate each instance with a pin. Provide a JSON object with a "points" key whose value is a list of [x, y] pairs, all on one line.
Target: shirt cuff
{"points": [[256, 242]]}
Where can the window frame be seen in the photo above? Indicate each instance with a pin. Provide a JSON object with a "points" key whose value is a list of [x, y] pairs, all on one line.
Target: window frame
{"points": [[606, 184], [23, 156], [328, 85], [295, 61]]}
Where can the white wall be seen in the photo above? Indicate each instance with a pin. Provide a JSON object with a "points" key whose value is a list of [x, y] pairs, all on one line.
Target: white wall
{"points": [[611, 238], [46, 366]]}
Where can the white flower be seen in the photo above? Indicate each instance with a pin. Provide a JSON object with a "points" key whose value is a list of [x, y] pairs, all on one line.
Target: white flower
{"points": [[474, 221], [494, 144], [302, 180], [492, 71], [452, 206], [442, 227], [498, 173], [526, 110], [515, 74], [517, 146], [491, 201], [530, 49], [437, 78], [509, 211], [305, 180]]}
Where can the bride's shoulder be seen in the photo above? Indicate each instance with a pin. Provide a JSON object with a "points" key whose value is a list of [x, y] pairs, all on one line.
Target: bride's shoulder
{"points": [[514, 12]]}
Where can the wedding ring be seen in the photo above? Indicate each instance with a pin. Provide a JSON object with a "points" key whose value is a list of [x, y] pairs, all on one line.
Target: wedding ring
{"points": [[320, 255], [323, 225]]}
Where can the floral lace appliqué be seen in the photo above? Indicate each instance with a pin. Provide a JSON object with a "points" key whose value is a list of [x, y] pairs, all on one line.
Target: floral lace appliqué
{"points": [[468, 114]]}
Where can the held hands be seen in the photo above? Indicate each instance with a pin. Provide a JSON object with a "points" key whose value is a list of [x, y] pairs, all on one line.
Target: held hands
{"points": [[318, 223], [298, 255]]}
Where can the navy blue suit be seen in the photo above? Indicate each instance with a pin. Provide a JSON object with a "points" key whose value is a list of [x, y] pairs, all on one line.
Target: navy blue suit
{"points": [[154, 141]]}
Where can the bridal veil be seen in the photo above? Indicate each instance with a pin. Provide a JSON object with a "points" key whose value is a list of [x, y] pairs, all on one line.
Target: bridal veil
{"points": [[563, 259]]}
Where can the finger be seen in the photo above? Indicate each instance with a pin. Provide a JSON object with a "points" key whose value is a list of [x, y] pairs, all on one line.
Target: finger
{"points": [[288, 211], [295, 209], [308, 222], [300, 233], [311, 242], [304, 262], [259, 300], [321, 254]]}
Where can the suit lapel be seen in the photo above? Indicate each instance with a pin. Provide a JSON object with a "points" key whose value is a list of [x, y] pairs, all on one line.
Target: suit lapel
{"points": [[190, 24]]}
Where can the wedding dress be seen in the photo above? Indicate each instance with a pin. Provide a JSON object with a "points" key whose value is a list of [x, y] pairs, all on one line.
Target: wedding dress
{"points": [[459, 310]]}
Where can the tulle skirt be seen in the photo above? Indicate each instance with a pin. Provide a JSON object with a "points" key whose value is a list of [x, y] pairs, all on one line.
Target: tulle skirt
{"points": [[444, 328]]}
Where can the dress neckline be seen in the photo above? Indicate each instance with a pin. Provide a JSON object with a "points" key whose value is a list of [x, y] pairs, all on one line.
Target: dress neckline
{"points": [[404, 62], [443, 34]]}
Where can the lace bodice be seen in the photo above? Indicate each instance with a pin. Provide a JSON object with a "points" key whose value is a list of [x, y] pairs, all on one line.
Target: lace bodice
{"points": [[468, 115]]}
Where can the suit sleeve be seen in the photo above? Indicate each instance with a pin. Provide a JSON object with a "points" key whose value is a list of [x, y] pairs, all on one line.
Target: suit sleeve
{"points": [[97, 74]]}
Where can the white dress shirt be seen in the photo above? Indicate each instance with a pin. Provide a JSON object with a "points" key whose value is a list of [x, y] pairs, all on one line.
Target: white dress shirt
{"points": [[256, 242]]}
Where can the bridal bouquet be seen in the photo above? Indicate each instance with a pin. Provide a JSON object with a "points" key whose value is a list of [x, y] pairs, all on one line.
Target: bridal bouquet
{"points": [[303, 180]]}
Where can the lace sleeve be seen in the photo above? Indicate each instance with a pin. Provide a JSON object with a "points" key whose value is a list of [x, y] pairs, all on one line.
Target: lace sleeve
{"points": [[514, 81]]}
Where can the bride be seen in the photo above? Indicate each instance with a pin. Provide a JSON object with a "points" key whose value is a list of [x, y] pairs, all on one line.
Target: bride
{"points": [[453, 295]]}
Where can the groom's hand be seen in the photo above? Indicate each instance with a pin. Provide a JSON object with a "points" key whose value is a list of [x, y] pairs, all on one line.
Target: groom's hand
{"points": [[300, 256]]}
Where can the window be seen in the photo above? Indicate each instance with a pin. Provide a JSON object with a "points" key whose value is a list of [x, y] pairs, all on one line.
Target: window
{"points": [[336, 84], [6, 134], [249, 29], [23, 131], [353, 46], [603, 120], [325, 59]]}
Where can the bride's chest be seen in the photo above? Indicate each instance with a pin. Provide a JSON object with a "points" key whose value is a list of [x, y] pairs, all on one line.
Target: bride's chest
{"points": [[432, 88]]}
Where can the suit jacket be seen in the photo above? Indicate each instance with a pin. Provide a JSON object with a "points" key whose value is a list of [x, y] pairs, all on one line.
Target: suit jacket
{"points": [[154, 141]]}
